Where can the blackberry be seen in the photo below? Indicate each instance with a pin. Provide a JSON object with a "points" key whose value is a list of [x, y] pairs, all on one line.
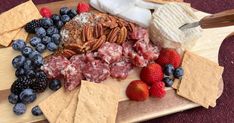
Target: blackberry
{"points": [[30, 26], [21, 83], [40, 85], [41, 75]]}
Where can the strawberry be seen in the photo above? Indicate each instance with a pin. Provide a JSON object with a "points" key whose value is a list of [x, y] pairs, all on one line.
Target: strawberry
{"points": [[83, 7], [151, 73], [45, 12], [137, 90], [157, 90], [169, 56]]}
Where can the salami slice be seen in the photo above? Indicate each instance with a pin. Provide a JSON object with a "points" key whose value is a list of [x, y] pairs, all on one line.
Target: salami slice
{"points": [[54, 65], [72, 76], [96, 71], [110, 52], [120, 69], [79, 61], [128, 48]]}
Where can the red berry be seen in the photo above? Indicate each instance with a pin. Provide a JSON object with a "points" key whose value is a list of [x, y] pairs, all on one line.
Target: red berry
{"points": [[45, 12], [83, 7], [157, 90], [137, 90], [169, 56]]}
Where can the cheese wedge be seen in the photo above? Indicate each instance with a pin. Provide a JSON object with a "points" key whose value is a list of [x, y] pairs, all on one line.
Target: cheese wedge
{"points": [[164, 27]]}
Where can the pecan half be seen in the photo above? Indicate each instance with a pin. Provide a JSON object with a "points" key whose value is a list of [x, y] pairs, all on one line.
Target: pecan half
{"points": [[99, 42], [122, 35], [131, 27], [66, 53], [98, 30], [113, 34], [87, 33], [88, 45]]}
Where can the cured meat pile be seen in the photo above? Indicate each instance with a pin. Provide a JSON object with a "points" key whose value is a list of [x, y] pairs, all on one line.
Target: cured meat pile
{"points": [[110, 59]]}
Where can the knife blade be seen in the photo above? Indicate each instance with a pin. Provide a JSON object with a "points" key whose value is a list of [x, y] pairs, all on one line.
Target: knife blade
{"points": [[189, 25]]}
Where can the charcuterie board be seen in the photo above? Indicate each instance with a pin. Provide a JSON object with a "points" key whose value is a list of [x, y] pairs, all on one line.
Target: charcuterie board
{"points": [[128, 111]]}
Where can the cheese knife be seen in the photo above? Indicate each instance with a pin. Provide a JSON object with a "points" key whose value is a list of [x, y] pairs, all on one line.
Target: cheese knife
{"points": [[221, 19]]}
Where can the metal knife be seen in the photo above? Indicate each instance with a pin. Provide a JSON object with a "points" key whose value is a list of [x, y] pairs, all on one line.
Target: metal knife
{"points": [[221, 19]]}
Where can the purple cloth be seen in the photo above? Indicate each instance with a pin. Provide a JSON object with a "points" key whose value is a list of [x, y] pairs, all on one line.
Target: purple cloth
{"points": [[224, 111]]}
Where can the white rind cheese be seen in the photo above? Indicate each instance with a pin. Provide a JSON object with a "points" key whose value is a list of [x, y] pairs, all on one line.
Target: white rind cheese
{"points": [[164, 27]]}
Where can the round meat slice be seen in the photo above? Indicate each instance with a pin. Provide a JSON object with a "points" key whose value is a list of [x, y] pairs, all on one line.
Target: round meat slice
{"points": [[89, 57], [72, 77], [120, 69], [110, 52], [96, 71], [128, 48], [54, 65], [139, 61], [79, 61], [152, 52]]}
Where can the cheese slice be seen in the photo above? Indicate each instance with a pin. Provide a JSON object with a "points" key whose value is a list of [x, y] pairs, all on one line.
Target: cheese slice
{"points": [[96, 5], [164, 27], [147, 5]]}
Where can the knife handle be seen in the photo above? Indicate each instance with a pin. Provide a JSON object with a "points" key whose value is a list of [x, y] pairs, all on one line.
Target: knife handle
{"points": [[221, 19]]}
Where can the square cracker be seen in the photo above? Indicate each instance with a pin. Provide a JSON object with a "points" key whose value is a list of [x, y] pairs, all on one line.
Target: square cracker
{"points": [[22, 34], [52, 106], [18, 16], [201, 79], [97, 103], [7, 37]]}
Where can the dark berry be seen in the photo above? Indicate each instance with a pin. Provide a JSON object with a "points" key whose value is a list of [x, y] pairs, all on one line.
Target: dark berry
{"points": [[18, 44], [47, 22], [30, 73], [38, 60], [41, 75], [52, 30], [46, 40], [72, 13], [40, 85], [178, 73], [59, 24], [55, 84], [40, 32], [20, 84], [52, 46], [18, 61], [31, 26], [36, 111], [34, 41], [40, 48], [56, 38], [26, 51], [13, 98], [19, 108], [28, 65], [27, 96], [64, 10], [20, 72], [33, 54], [65, 18], [169, 69], [55, 17], [168, 81]]}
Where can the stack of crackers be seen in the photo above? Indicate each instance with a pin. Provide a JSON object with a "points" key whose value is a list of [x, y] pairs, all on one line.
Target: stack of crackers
{"points": [[91, 103], [201, 79], [13, 20]]}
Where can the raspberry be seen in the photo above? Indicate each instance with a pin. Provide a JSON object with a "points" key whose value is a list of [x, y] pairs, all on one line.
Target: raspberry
{"points": [[45, 12], [82, 7], [157, 90]]}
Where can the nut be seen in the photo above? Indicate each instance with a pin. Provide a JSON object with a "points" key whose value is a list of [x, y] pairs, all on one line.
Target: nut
{"points": [[113, 34], [131, 27], [99, 42], [122, 35], [98, 30]]}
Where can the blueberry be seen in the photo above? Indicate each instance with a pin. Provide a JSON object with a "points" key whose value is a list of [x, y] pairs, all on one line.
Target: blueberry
{"points": [[38, 60], [72, 13], [27, 96], [28, 65], [36, 111], [55, 84], [40, 48], [19, 72], [34, 41], [26, 51], [19, 108], [59, 24], [178, 73], [40, 32], [168, 81], [46, 40], [169, 69], [18, 44], [52, 30], [33, 54], [63, 10], [52, 46], [55, 17], [13, 98], [65, 18], [56, 38], [47, 22], [18, 61], [30, 73]]}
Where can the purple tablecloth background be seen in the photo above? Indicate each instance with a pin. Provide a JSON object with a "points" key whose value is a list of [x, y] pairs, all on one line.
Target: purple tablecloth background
{"points": [[224, 111]]}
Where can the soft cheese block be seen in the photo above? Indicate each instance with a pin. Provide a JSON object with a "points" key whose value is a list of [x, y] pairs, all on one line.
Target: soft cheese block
{"points": [[164, 27], [147, 5]]}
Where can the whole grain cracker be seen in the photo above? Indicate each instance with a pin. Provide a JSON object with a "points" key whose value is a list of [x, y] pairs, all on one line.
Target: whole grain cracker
{"points": [[67, 115], [97, 103], [52, 106], [7, 37], [201, 80], [22, 34], [18, 16]]}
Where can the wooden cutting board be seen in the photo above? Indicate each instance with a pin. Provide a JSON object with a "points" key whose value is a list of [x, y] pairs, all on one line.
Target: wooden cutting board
{"points": [[128, 111]]}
